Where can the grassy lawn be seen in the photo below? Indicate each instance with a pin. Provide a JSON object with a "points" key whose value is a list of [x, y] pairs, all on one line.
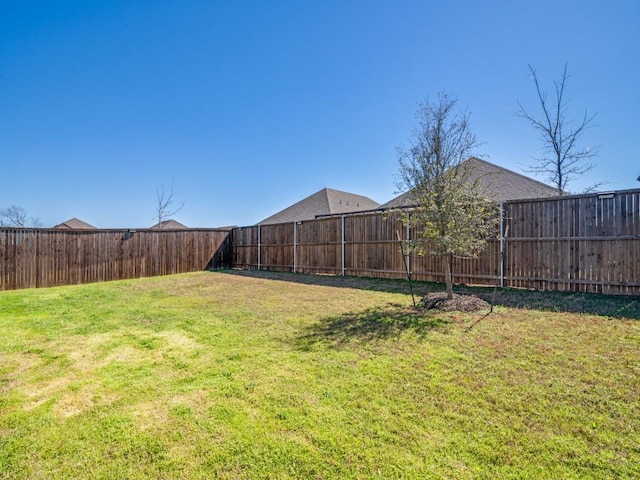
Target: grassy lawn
{"points": [[256, 375]]}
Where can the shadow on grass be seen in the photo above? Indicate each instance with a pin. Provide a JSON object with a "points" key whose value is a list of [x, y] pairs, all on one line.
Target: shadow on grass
{"points": [[369, 326], [615, 306]]}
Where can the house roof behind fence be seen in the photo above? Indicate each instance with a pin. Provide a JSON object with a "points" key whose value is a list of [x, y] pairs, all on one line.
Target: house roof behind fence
{"points": [[498, 183], [74, 224], [325, 202], [169, 225]]}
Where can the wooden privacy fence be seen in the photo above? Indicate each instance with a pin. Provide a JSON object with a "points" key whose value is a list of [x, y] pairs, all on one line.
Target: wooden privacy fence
{"points": [[48, 257], [588, 243]]}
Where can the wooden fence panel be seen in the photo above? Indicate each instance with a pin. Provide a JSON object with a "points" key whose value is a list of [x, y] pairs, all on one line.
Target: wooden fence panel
{"points": [[47, 257], [276, 247], [372, 247], [319, 246], [587, 243], [245, 247]]}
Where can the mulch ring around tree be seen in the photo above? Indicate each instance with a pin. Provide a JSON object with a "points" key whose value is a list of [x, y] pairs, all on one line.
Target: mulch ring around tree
{"points": [[459, 303]]}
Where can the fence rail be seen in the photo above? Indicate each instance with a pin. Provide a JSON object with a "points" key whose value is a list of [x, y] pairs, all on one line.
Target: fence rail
{"points": [[48, 257], [588, 243]]}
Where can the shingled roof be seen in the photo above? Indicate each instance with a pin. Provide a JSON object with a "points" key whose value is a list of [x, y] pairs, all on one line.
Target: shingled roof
{"points": [[169, 225], [74, 224], [498, 183], [325, 202]]}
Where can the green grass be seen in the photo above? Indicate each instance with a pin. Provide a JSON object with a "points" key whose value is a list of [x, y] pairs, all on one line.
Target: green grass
{"points": [[256, 375]]}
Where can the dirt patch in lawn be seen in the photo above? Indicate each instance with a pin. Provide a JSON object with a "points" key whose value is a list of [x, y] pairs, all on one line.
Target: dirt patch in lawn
{"points": [[459, 303]]}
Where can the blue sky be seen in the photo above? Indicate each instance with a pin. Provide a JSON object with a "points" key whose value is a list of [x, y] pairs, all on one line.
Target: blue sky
{"points": [[249, 106]]}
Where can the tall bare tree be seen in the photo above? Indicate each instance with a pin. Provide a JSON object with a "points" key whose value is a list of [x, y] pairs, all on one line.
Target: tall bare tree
{"points": [[562, 159], [15, 216], [451, 212], [164, 204]]}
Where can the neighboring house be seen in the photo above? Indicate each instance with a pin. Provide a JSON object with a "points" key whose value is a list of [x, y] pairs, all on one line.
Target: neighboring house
{"points": [[498, 183], [168, 225], [74, 224], [325, 202]]}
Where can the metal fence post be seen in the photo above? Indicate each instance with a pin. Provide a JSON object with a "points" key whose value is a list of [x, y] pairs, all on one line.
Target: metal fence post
{"points": [[295, 242], [343, 247], [409, 240], [502, 244]]}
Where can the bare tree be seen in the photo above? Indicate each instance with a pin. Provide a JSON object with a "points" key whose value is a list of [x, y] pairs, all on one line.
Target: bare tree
{"points": [[562, 159], [164, 204], [15, 216], [451, 212]]}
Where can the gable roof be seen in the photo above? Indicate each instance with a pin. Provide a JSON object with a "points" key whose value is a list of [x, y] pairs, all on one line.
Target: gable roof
{"points": [[168, 225], [498, 183], [74, 224], [325, 202]]}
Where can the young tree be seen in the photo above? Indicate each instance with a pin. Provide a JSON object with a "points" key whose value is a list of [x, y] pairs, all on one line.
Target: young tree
{"points": [[562, 159], [451, 212], [15, 216], [164, 202]]}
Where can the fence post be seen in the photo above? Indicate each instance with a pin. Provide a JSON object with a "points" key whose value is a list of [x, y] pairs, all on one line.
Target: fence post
{"points": [[258, 247], [295, 242], [343, 242], [408, 241], [502, 242], [37, 259]]}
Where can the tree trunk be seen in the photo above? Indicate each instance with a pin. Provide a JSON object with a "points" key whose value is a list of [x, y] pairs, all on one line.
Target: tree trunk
{"points": [[448, 275]]}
